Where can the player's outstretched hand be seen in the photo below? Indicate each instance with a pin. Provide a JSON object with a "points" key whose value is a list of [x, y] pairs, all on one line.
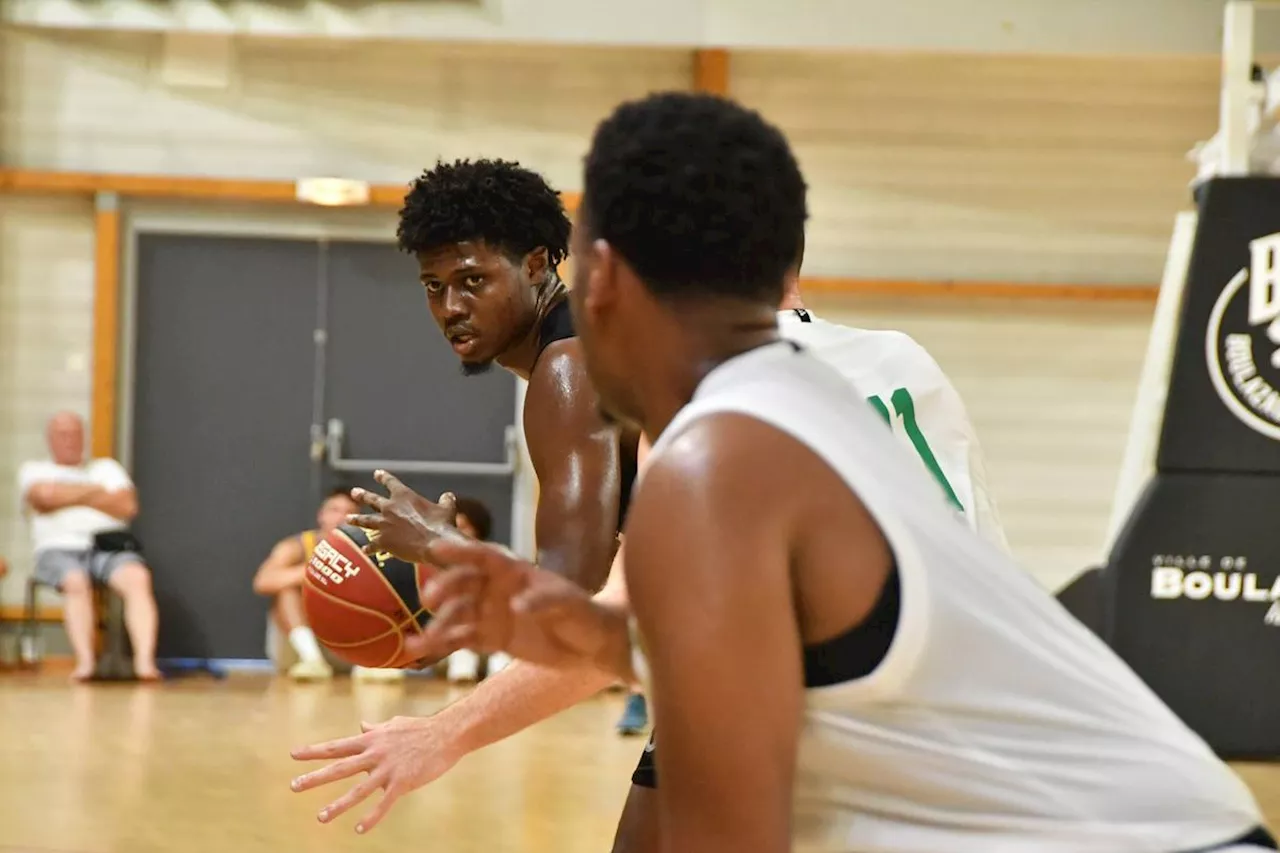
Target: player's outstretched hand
{"points": [[405, 521], [399, 756], [489, 600]]}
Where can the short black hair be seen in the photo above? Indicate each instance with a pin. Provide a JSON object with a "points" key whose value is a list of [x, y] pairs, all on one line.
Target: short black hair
{"points": [[500, 202], [700, 195], [478, 514]]}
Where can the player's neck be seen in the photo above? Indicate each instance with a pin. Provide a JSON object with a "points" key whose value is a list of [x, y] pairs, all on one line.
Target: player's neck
{"points": [[791, 302], [521, 358], [701, 340]]}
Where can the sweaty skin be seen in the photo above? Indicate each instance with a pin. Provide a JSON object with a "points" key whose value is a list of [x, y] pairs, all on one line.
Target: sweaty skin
{"points": [[575, 455], [491, 310], [576, 458]]}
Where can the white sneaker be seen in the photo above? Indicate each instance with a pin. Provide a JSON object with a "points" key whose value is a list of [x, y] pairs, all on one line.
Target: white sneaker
{"points": [[311, 670], [364, 673], [464, 665], [497, 663]]}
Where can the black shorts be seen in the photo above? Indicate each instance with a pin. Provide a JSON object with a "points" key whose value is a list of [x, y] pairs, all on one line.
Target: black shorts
{"points": [[646, 772]]}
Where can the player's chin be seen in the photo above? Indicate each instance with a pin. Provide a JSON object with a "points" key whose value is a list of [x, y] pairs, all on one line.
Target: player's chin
{"points": [[472, 367]]}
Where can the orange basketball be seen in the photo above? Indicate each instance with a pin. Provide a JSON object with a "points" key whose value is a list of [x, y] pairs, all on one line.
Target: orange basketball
{"points": [[359, 607]]}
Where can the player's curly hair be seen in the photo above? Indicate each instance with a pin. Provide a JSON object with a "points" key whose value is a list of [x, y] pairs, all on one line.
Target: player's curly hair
{"points": [[500, 202], [701, 196]]}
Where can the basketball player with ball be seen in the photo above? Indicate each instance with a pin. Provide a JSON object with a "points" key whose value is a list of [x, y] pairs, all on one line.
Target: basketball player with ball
{"points": [[891, 370], [910, 688]]}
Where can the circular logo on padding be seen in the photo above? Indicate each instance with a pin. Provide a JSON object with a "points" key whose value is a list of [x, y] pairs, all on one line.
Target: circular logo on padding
{"points": [[1242, 344]]}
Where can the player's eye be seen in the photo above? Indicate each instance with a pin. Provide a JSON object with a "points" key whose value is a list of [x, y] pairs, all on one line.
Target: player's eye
{"points": [[433, 287], [473, 281]]}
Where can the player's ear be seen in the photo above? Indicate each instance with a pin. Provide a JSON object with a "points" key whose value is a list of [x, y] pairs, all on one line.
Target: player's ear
{"points": [[536, 266], [602, 281]]}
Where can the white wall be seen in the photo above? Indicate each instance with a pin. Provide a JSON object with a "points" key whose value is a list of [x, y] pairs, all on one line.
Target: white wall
{"points": [[1049, 387], [381, 112], [1027, 169], [1033, 169], [1021, 169], [46, 319], [1079, 26]]}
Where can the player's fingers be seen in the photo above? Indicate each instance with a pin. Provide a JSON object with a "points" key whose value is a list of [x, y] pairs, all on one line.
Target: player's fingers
{"points": [[368, 522], [425, 649], [340, 748], [332, 773], [355, 796], [368, 498], [450, 551], [453, 627], [456, 611], [468, 637], [548, 599], [391, 482], [449, 501], [384, 805], [443, 587]]}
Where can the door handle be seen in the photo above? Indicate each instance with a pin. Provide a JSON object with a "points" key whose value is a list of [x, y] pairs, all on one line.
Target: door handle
{"points": [[333, 447]]}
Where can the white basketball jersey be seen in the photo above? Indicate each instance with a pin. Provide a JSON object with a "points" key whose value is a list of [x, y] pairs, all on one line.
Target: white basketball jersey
{"points": [[997, 722], [908, 389]]}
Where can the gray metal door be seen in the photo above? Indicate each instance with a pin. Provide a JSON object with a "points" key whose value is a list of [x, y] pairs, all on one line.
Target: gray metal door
{"points": [[251, 353], [395, 387], [222, 400]]}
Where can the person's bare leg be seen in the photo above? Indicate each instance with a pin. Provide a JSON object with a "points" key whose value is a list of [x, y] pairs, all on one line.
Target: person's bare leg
{"points": [[133, 583], [638, 825], [77, 615], [288, 609], [292, 618]]}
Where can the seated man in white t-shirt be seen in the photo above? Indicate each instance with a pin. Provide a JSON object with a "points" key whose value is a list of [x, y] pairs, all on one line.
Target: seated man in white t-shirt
{"points": [[70, 502]]}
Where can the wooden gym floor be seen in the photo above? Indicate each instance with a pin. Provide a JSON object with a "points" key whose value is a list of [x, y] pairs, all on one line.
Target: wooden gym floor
{"points": [[199, 766]]}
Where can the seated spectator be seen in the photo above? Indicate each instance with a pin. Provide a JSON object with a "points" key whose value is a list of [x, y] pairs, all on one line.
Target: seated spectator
{"points": [[79, 515], [280, 578], [291, 644], [475, 521]]}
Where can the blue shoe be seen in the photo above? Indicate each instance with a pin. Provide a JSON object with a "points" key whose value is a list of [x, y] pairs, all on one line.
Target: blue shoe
{"points": [[635, 716]]}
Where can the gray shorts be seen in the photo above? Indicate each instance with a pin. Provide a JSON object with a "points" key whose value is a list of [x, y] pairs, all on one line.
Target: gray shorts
{"points": [[53, 565]]}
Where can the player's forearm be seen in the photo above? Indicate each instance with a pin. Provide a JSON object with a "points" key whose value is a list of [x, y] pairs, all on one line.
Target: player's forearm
{"points": [[518, 697]]}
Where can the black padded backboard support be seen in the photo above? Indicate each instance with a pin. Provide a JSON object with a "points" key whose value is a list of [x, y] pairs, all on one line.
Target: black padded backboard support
{"points": [[1187, 589]]}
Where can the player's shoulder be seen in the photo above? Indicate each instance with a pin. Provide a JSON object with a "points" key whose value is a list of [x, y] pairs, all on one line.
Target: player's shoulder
{"points": [[892, 346], [290, 547], [715, 449], [560, 403], [560, 362], [892, 342], [723, 470]]}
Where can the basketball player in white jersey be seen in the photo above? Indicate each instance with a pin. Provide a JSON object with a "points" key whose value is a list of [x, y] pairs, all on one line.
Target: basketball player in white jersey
{"points": [[911, 689], [907, 388], [901, 382]]}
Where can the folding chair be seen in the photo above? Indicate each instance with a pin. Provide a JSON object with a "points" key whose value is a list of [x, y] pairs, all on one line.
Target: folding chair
{"points": [[110, 640]]}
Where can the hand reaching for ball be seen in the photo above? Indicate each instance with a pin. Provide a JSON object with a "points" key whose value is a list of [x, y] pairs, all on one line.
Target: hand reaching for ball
{"points": [[490, 601], [404, 521]]}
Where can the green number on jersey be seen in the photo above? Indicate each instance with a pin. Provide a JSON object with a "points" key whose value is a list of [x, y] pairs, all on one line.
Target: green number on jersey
{"points": [[905, 408]]}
